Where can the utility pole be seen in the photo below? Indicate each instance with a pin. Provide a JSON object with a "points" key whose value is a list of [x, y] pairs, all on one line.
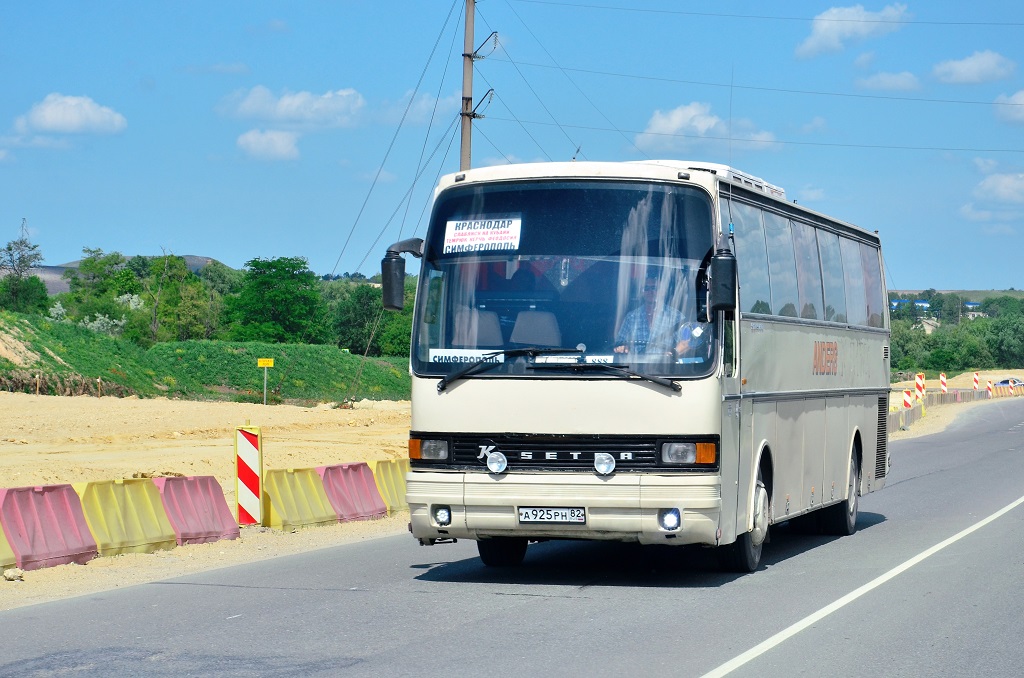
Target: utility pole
{"points": [[467, 88]]}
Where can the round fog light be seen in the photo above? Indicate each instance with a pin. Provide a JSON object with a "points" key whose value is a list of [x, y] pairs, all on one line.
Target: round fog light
{"points": [[604, 463], [669, 519], [442, 515], [496, 462]]}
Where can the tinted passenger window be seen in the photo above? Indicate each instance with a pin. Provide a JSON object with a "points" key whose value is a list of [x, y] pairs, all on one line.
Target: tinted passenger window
{"points": [[832, 277], [781, 265], [751, 256], [873, 286], [853, 268], [808, 271]]}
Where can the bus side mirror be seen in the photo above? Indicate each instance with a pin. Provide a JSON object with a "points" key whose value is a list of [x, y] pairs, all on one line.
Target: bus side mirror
{"points": [[722, 292], [392, 272]]}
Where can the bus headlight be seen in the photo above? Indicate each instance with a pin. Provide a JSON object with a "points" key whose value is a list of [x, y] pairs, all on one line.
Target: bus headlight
{"points": [[434, 450], [679, 453], [496, 462], [604, 463], [685, 454]]}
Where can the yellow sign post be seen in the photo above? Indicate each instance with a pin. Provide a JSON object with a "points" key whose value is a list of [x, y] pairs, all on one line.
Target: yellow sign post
{"points": [[265, 363]]}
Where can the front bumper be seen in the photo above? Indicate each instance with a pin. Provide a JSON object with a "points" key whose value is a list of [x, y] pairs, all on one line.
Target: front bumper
{"points": [[620, 507]]}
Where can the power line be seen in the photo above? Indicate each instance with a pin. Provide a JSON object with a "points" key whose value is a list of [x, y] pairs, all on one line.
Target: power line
{"points": [[778, 141], [537, 96], [764, 17], [412, 100], [780, 90], [571, 81]]}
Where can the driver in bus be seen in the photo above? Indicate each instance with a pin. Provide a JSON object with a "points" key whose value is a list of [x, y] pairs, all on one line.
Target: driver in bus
{"points": [[658, 329]]}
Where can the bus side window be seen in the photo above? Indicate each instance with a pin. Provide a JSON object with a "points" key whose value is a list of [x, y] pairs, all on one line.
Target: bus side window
{"points": [[751, 256], [853, 268], [781, 265], [808, 271], [873, 286], [832, 277]]}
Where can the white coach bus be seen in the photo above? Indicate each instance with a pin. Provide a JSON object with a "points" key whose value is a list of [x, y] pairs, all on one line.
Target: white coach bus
{"points": [[663, 352]]}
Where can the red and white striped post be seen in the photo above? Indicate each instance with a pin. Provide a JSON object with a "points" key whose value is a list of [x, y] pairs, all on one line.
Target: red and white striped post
{"points": [[249, 475], [919, 383], [942, 382], [908, 400], [976, 377], [1011, 388], [990, 389]]}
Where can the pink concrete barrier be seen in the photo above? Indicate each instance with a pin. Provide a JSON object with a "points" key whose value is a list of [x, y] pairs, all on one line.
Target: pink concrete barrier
{"points": [[197, 510], [352, 491], [46, 526]]}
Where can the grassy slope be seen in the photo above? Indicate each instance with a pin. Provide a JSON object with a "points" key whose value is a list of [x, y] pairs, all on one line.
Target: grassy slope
{"points": [[31, 345]]}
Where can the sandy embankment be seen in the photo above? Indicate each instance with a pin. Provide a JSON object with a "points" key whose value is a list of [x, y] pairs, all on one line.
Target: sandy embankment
{"points": [[45, 440]]}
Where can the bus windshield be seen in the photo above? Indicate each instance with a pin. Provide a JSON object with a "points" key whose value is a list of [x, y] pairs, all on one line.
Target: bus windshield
{"points": [[592, 272]]}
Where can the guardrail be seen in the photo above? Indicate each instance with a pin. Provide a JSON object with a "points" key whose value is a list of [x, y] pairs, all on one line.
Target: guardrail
{"points": [[901, 418]]}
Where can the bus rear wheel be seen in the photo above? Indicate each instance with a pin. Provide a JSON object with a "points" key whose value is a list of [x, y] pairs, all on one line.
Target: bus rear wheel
{"points": [[502, 551], [841, 519], [744, 554]]}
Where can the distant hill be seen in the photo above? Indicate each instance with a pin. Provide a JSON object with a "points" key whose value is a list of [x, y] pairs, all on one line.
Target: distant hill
{"points": [[53, 276]]}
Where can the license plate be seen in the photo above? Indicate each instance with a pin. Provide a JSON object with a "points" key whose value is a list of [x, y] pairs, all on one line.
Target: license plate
{"points": [[536, 514]]}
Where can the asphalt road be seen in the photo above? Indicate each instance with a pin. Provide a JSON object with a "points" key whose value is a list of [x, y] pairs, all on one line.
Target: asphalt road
{"points": [[930, 585]]}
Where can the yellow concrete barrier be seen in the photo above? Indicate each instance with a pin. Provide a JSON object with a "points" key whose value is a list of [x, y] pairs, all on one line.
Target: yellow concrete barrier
{"points": [[295, 498], [126, 516], [7, 558], [390, 478]]}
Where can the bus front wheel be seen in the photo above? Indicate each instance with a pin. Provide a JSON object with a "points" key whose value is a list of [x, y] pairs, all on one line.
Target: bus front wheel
{"points": [[744, 554], [502, 551]]}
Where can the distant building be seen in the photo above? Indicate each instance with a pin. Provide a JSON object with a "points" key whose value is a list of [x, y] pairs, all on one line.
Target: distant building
{"points": [[922, 304]]}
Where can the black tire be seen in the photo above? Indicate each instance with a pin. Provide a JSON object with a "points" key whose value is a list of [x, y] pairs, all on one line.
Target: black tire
{"points": [[502, 551], [841, 519], [744, 554]]}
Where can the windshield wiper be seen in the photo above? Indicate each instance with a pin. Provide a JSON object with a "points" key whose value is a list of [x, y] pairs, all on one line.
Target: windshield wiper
{"points": [[624, 371], [485, 362]]}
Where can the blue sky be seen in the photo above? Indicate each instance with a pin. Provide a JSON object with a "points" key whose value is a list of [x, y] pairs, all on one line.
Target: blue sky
{"points": [[262, 129]]}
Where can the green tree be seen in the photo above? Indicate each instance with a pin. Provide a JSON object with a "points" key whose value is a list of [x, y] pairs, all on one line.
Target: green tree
{"points": [[358, 313], [279, 302], [24, 295], [222, 279], [20, 291]]}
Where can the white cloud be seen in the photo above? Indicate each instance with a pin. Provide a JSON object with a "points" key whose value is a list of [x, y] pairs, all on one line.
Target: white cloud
{"points": [[685, 125], [986, 165], [1011, 108], [898, 82], [270, 144], [61, 114], [422, 108], [331, 109], [836, 26], [969, 213], [1006, 188], [979, 67], [4, 154], [865, 60]]}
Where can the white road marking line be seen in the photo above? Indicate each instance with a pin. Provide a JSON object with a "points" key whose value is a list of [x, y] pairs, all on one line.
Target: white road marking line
{"points": [[809, 620]]}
